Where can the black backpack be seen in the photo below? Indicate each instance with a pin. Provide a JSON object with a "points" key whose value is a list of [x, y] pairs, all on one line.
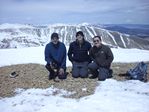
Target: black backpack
{"points": [[139, 72]]}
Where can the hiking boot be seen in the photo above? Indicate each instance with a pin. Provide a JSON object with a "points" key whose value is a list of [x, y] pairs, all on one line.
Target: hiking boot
{"points": [[51, 76], [99, 79], [109, 76], [110, 73], [93, 77]]}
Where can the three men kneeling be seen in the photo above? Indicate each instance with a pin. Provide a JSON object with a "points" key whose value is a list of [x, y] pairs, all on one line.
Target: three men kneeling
{"points": [[97, 59]]}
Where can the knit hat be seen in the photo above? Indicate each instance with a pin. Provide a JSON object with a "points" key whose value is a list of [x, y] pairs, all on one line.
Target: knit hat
{"points": [[79, 33], [54, 35]]}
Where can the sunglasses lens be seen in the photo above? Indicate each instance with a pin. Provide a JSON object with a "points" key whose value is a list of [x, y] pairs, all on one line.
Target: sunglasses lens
{"points": [[96, 41]]}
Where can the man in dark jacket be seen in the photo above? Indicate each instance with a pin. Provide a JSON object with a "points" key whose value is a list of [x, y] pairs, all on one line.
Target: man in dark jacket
{"points": [[55, 56], [102, 58], [78, 54]]}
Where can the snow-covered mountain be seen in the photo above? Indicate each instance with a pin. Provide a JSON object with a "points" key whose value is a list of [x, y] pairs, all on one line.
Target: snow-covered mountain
{"points": [[140, 30], [21, 35]]}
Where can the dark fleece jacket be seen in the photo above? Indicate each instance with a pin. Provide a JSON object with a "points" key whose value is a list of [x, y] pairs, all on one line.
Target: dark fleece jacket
{"points": [[103, 56], [79, 53]]}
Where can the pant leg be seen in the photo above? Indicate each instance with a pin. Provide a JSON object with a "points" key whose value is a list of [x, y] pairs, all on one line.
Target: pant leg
{"points": [[103, 73], [51, 71], [93, 68], [84, 70], [75, 70]]}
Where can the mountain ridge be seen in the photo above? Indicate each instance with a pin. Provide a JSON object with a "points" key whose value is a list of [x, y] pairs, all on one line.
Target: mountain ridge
{"points": [[22, 35]]}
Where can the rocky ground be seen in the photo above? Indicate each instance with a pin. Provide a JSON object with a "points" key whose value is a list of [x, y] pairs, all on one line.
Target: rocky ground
{"points": [[36, 76]]}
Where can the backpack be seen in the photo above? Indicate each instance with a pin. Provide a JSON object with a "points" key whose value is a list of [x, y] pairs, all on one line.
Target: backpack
{"points": [[139, 72]]}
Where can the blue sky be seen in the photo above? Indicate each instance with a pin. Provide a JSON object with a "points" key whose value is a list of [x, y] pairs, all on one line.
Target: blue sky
{"points": [[74, 11]]}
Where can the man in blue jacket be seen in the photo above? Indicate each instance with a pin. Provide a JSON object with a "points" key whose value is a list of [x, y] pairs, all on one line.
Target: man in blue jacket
{"points": [[78, 54], [55, 56]]}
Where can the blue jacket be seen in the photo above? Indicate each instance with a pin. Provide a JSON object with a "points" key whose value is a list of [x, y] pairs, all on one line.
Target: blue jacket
{"points": [[56, 53], [79, 53]]}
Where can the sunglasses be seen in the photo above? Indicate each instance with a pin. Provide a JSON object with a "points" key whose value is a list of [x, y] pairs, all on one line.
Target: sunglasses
{"points": [[95, 41]]}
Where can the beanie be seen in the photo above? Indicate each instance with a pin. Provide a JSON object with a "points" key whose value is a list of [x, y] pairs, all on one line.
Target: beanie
{"points": [[54, 35], [79, 33]]}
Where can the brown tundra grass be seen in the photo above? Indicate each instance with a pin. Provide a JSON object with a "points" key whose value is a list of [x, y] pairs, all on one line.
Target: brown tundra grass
{"points": [[36, 76]]}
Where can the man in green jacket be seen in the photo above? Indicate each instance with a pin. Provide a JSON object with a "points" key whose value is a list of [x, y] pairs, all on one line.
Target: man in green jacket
{"points": [[102, 58]]}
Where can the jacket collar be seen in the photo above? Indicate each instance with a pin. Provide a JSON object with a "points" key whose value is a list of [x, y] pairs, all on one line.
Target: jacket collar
{"points": [[56, 45]]}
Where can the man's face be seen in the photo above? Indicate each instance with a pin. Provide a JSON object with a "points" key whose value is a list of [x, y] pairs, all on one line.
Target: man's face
{"points": [[97, 42], [79, 37], [55, 40]]}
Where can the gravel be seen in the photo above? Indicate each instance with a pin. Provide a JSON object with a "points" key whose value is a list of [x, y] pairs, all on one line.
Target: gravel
{"points": [[36, 76]]}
